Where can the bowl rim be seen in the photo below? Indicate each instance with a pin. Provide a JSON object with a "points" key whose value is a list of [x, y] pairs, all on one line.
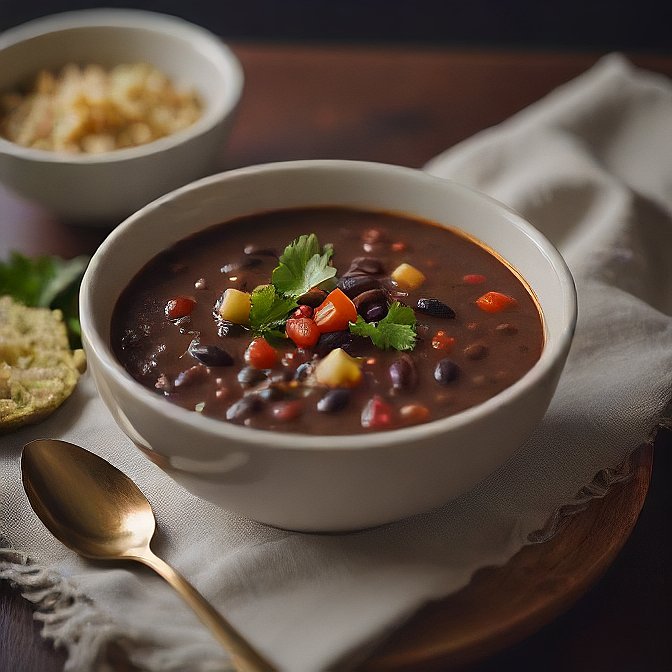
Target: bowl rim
{"points": [[262, 439], [202, 40]]}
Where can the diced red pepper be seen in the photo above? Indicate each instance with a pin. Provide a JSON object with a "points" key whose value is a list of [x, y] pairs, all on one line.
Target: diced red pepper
{"points": [[377, 414], [441, 341], [180, 306], [261, 354], [335, 312], [303, 331], [495, 302]]}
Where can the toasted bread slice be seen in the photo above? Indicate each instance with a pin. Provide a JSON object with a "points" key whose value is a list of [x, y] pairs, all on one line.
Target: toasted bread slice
{"points": [[38, 370]]}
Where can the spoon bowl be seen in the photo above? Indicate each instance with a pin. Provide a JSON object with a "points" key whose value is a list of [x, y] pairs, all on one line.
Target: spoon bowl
{"points": [[97, 511], [85, 502]]}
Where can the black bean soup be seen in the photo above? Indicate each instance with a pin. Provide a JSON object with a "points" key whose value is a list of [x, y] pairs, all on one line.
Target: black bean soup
{"points": [[327, 321]]}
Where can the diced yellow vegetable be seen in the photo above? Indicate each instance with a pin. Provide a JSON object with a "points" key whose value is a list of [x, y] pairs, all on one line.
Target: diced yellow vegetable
{"points": [[338, 369], [235, 306], [407, 276]]}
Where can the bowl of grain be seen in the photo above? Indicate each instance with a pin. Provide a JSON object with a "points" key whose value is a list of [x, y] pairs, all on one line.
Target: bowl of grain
{"points": [[103, 110]]}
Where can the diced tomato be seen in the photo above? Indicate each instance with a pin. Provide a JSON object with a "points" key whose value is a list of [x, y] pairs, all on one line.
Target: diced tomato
{"points": [[180, 306], [335, 312], [261, 354], [495, 302], [473, 279], [303, 331]]}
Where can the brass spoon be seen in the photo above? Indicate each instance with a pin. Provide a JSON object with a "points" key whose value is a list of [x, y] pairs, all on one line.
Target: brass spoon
{"points": [[97, 511]]}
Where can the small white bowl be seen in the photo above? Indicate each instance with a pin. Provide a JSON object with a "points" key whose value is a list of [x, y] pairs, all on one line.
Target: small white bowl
{"points": [[325, 483], [102, 189]]}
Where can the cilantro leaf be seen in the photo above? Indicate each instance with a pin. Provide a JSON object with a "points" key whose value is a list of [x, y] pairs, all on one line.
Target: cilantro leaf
{"points": [[46, 282], [268, 311], [396, 330], [303, 265]]}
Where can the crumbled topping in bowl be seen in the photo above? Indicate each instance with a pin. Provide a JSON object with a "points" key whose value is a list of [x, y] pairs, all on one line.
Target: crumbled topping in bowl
{"points": [[87, 109]]}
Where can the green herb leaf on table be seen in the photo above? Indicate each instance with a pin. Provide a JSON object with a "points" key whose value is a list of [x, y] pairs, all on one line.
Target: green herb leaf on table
{"points": [[303, 265], [46, 282], [268, 311], [396, 330]]}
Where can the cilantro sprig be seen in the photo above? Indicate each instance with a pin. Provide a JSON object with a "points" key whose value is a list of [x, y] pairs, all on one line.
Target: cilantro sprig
{"points": [[396, 330], [303, 265], [268, 311], [46, 282]]}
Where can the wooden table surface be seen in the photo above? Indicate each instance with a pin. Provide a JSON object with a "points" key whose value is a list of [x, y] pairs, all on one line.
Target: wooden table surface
{"points": [[404, 105]]}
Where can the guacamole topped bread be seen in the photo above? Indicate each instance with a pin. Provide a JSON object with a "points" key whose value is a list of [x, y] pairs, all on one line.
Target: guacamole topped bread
{"points": [[38, 370]]}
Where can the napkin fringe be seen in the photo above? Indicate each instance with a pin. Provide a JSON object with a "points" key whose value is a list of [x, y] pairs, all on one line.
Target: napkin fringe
{"points": [[69, 618]]}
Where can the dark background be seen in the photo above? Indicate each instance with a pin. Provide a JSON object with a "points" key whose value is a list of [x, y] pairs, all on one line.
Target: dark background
{"points": [[594, 25]]}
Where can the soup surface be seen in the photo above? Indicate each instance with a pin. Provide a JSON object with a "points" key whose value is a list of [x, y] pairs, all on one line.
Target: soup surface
{"points": [[327, 321]]}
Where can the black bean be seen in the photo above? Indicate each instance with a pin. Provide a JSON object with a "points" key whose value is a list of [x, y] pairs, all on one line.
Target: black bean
{"points": [[403, 374], [249, 376], [303, 371], [226, 328], [271, 393], [476, 351], [366, 266], [435, 308], [244, 407], [313, 297], [375, 313], [352, 285], [446, 371], [334, 400], [332, 340], [191, 375], [394, 293], [366, 299], [210, 355], [256, 250]]}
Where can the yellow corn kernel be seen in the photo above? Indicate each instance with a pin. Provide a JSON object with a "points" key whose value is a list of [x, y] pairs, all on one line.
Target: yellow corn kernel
{"points": [[407, 276], [338, 369], [235, 306]]}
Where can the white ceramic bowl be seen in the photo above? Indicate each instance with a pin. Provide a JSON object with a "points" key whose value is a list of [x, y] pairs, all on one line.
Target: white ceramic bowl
{"points": [[326, 482], [105, 188]]}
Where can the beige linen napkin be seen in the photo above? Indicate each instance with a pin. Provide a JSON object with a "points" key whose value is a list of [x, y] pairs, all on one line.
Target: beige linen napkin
{"points": [[591, 166]]}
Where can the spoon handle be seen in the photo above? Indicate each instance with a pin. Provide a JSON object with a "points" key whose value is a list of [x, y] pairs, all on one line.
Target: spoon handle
{"points": [[244, 657]]}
